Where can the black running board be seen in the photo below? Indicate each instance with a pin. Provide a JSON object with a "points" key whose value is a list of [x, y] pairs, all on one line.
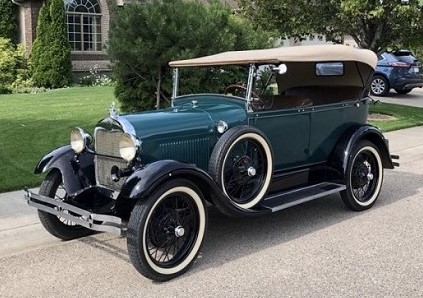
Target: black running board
{"points": [[294, 197]]}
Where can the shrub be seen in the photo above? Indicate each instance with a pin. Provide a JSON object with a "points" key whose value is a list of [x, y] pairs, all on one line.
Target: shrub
{"points": [[13, 67], [145, 36]]}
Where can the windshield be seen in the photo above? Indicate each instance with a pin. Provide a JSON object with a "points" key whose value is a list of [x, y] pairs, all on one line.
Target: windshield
{"points": [[218, 80]]}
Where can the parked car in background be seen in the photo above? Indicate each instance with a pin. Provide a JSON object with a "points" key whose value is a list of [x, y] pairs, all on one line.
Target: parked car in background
{"points": [[398, 70], [294, 129]]}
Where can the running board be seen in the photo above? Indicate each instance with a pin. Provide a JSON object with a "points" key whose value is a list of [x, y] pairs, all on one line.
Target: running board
{"points": [[294, 197]]}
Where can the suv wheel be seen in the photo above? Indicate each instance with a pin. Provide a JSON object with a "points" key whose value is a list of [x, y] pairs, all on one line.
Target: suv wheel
{"points": [[379, 86]]}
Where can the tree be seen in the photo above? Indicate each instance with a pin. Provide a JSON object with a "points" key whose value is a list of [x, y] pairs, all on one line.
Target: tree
{"points": [[8, 23], [145, 36], [51, 55], [374, 24]]}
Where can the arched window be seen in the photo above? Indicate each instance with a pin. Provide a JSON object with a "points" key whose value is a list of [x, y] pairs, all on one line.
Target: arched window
{"points": [[83, 19]]}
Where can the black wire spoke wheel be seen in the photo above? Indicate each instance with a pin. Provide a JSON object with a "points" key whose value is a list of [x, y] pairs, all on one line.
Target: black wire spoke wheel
{"points": [[166, 231], [244, 171], [172, 230], [58, 226], [365, 175], [242, 164]]}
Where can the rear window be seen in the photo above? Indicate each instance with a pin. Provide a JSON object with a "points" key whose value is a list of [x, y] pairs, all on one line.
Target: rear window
{"points": [[405, 56], [330, 69], [407, 59], [389, 57]]}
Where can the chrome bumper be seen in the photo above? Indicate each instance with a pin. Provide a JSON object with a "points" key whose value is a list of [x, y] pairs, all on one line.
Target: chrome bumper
{"points": [[111, 224]]}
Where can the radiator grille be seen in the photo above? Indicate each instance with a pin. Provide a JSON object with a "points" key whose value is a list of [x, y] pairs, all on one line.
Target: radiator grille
{"points": [[107, 143]]}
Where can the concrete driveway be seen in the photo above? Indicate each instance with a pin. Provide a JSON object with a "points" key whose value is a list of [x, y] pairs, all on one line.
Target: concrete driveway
{"points": [[414, 98], [317, 249]]}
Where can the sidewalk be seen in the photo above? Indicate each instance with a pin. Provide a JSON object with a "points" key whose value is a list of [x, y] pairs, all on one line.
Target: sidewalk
{"points": [[20, 228], [414, 98]]}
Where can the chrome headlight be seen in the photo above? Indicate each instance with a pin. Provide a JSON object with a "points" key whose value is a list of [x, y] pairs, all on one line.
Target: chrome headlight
{"points": [[128, 146], [79, 139]]}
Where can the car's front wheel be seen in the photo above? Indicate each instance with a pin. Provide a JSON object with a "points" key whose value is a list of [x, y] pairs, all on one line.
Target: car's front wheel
{"points": [[364, 177], [166, 231], [59, 227], [402, 91], [379, 86], [242, 165]]}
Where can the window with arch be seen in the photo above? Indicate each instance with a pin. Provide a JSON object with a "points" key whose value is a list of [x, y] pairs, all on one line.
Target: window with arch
{"points": [[83, 19]]}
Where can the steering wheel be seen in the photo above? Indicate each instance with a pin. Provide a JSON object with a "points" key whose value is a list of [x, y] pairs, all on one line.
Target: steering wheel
{"points": [[241, 91], [236, 90]]}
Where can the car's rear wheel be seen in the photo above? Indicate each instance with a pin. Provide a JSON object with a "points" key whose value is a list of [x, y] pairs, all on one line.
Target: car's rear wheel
{"points": [[364, 177], [166, 231], [402, 91], [379, 86], [57, 226], [242, 165]]}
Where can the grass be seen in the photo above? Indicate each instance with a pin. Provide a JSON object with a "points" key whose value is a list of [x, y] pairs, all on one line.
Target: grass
{"points": [[34, 124], [406, 116]]}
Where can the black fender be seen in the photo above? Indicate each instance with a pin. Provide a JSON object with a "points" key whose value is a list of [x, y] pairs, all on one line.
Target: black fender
{"points": [[343, 149], [77, 170], [145, 180]]}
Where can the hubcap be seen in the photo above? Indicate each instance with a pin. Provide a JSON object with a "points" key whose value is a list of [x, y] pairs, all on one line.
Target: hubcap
{"points": [[378, 86], [179, 231], [251, 172]]}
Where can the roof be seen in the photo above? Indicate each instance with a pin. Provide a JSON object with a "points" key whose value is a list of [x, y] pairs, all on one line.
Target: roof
{"points": [[312, 53]]}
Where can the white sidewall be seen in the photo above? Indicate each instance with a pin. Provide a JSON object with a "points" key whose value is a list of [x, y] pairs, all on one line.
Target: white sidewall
{"points": [[379, 182], [268, 154], [202, 218]]}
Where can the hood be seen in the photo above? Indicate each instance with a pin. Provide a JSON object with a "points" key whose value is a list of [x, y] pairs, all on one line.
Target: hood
{"points": [[191, 115]]}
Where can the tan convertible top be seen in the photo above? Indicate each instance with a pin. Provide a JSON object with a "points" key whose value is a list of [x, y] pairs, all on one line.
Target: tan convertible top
{"points": [[313, 53]]}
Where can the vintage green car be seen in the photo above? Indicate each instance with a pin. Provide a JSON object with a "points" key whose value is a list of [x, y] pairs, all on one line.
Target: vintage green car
{"points": [[250, 151]]}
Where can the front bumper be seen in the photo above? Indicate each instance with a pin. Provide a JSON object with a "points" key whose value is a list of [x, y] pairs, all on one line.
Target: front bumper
{"points": [[92, 221]]}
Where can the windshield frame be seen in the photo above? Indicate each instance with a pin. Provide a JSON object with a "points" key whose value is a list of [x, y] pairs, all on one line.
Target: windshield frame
{"points": [[252, 74]]}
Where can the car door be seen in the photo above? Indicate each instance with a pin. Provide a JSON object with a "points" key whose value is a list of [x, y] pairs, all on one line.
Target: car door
{"points": [[288, 131]]}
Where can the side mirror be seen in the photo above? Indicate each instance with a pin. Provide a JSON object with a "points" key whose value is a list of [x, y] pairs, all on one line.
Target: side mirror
{"points": [[281, 69]]}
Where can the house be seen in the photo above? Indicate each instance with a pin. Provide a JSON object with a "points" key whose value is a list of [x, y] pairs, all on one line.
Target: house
{"points": [[88, 24]]}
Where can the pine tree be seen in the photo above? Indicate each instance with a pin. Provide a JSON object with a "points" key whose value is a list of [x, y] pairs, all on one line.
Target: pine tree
{"points": [[8, 24], [39, 60], [51, 55], [59, 48]]}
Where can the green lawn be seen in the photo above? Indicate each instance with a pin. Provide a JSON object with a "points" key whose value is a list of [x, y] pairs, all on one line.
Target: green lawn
{"points": [[405, 116], [34, 124]]}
